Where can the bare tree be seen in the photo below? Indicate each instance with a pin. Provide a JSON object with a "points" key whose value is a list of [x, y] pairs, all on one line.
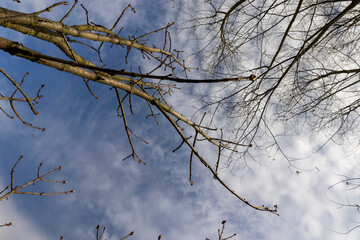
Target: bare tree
{"points": [[306, 58], [284, 68], [149, 86]]}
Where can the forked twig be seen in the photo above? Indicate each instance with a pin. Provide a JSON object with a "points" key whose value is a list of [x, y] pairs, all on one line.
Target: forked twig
{"points": [[220, 233], [100, 233], [16, 189], [133, 154]]}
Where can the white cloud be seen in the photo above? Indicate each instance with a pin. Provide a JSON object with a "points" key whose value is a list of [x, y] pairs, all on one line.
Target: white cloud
{"points": [[24, 227]]}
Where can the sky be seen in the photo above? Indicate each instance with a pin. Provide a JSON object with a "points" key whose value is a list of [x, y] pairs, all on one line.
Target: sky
{"points": [[85, 137]]}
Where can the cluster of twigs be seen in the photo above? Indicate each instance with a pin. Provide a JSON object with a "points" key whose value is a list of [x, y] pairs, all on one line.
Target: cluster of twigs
{"points": [[307, 68], [100, 233], [148, 86], [29, 100], [16, 189]]}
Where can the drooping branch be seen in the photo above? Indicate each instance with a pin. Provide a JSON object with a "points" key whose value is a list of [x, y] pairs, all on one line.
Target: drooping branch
{"points": [[216, 176], [127, 129]]}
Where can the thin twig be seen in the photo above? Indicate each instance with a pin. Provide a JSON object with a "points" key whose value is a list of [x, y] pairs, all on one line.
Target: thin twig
{"points": [[219, 154], [121, 15], [88, 87], [12, 172], [86, 12], [68, 13], [48, 9], [6, 113], [130, 234], [157, 30], [192, 152], [6, 224]]}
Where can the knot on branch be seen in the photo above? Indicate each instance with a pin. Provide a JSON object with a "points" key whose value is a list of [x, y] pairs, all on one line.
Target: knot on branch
{"points": [[252, 77]]}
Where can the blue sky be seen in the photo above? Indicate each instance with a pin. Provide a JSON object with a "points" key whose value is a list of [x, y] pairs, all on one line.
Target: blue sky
{"points": [[85, 136]]}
